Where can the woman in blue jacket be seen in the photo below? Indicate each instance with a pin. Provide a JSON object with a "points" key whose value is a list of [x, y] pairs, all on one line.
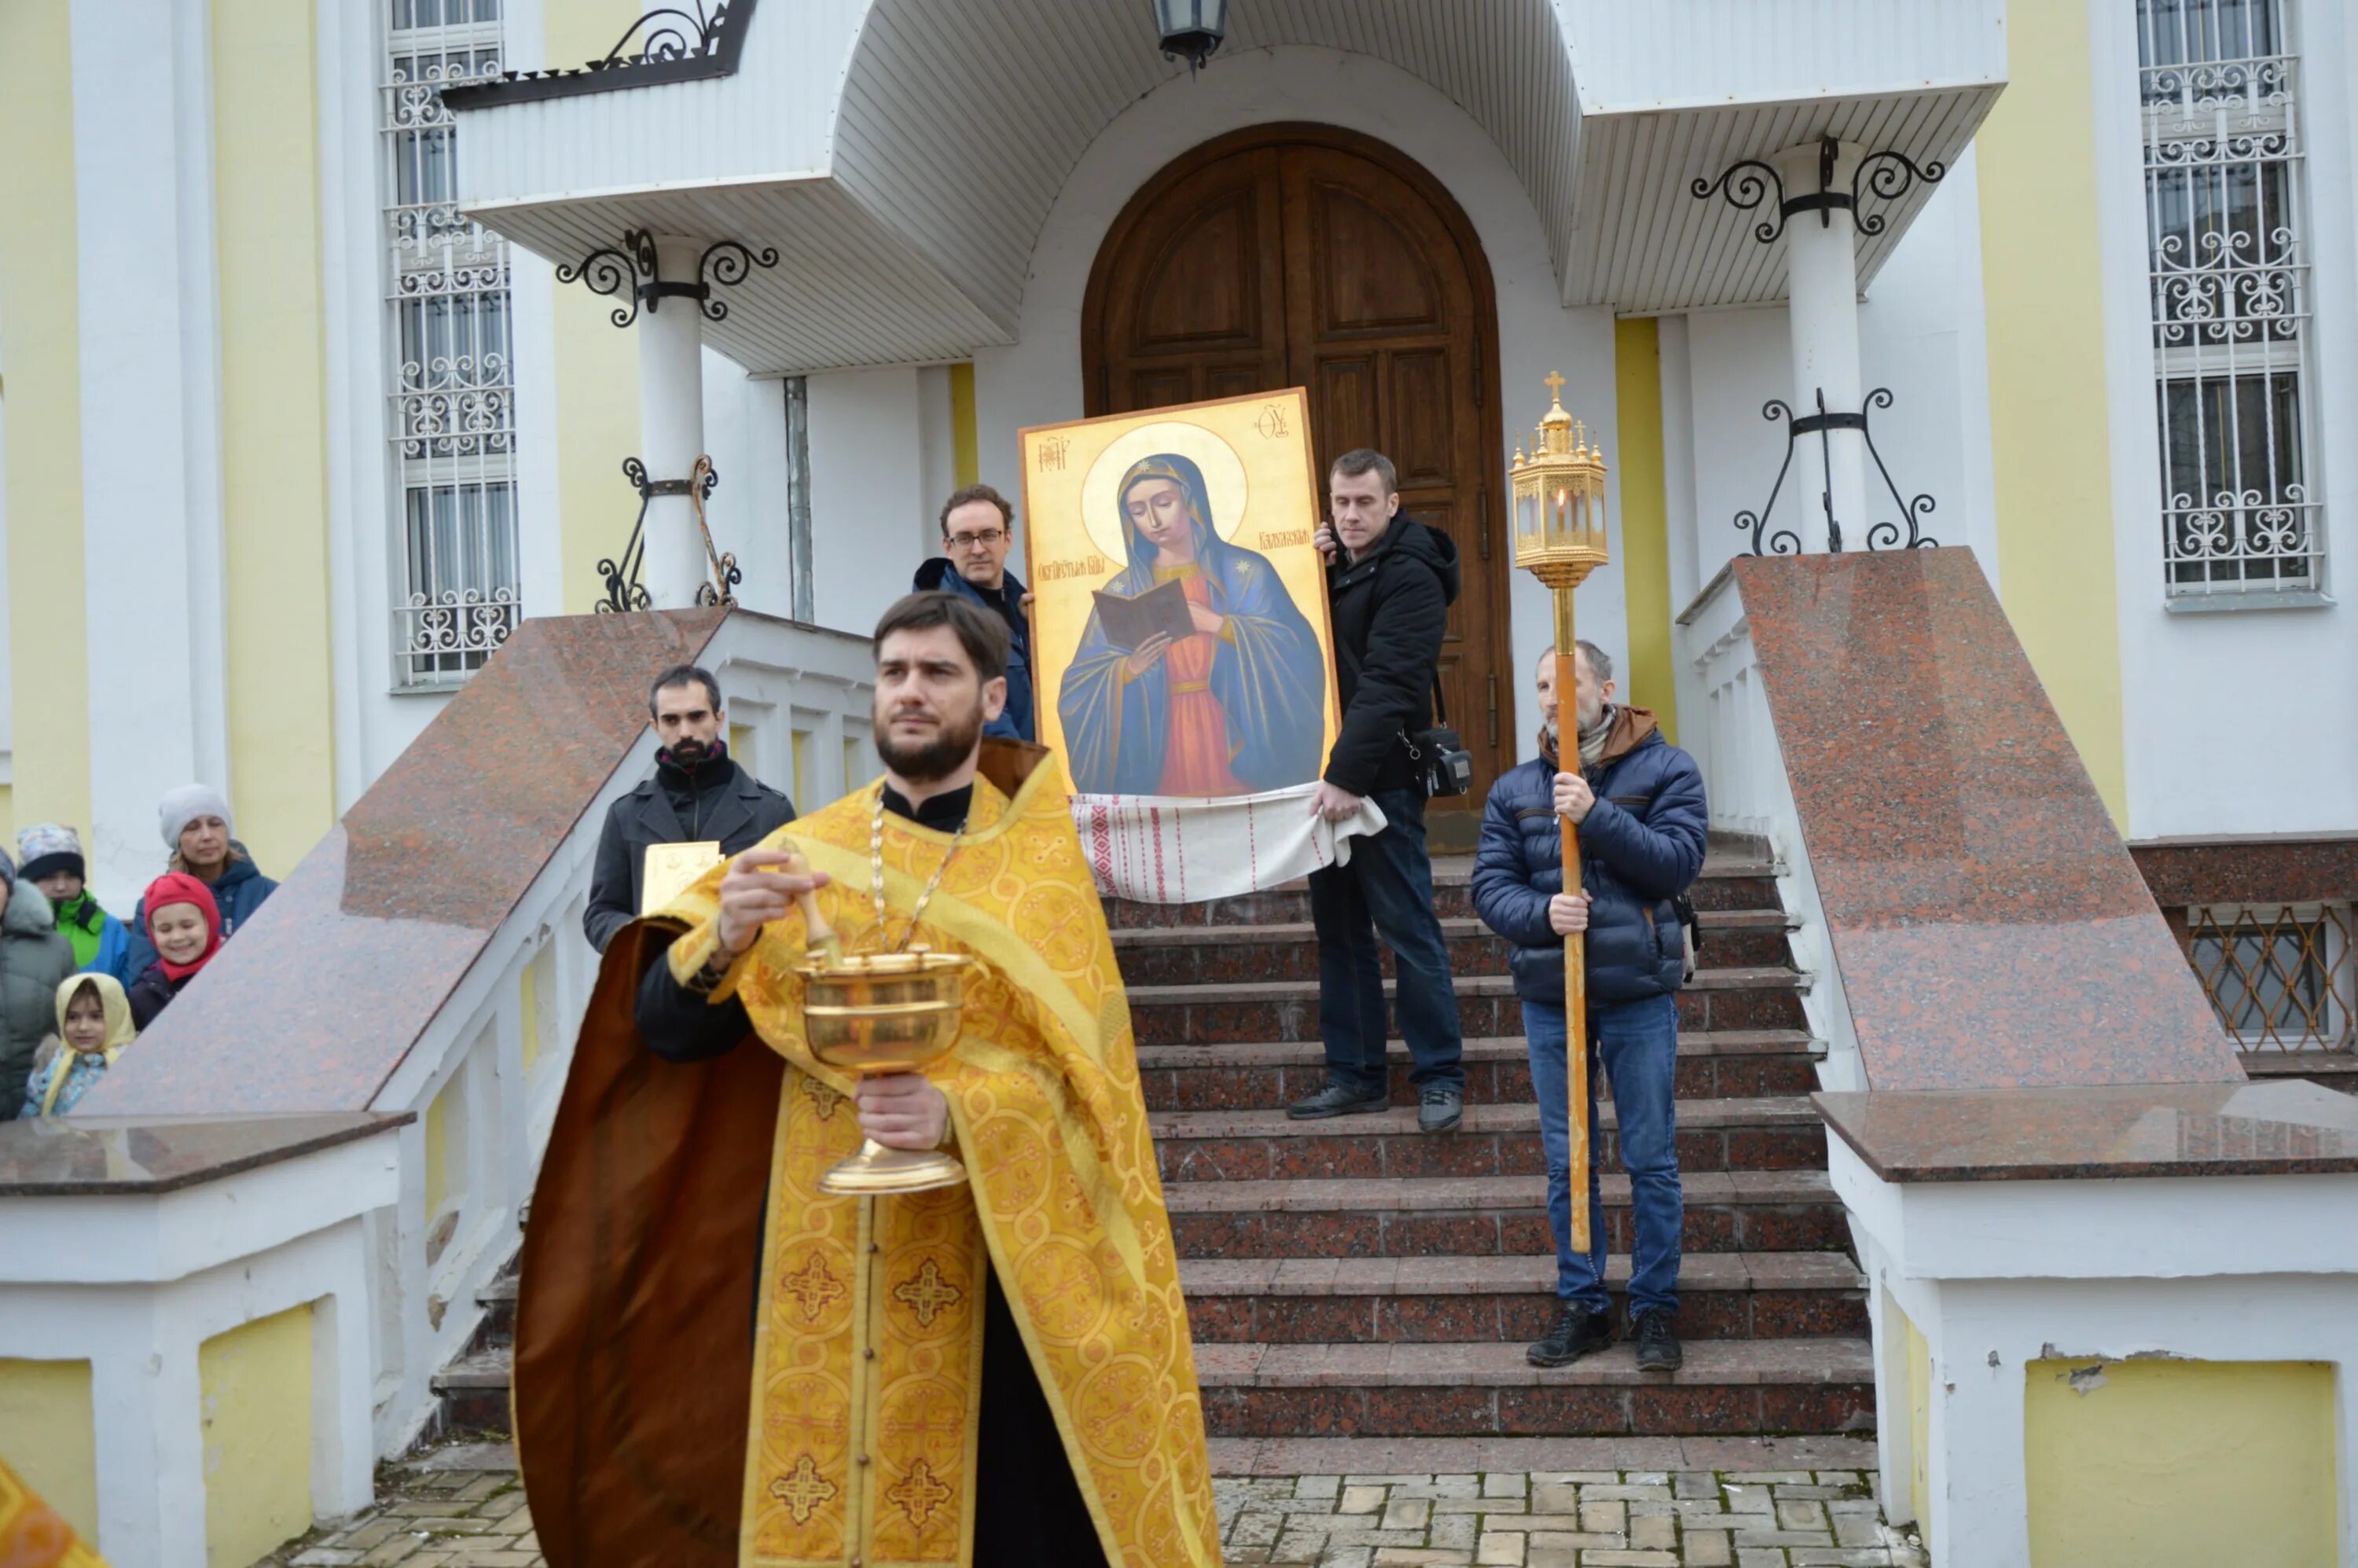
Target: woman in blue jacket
{"points": [[200, 833]]}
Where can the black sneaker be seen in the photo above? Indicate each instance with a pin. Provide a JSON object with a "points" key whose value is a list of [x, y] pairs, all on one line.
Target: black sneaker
{"points": [[1576, 1332], [1334, 1100], [1658, 1348], [1439, 1107]]}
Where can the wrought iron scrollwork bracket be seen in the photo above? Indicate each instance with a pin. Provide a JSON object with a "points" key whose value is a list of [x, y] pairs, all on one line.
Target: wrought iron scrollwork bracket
{"points": [[1886, 176], [624, 590], [1905, 533], [633, 270]]}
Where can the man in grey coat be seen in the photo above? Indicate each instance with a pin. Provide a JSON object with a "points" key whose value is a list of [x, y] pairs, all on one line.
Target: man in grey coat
{"points": [[698, 794], [34, 961]]}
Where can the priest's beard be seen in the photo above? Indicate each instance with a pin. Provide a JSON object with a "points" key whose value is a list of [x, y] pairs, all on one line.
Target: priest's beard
{"points": [[928, 762]]}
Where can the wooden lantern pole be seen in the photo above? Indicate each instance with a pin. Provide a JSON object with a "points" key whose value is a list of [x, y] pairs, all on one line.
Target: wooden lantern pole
{"points": [[1560, 539]]}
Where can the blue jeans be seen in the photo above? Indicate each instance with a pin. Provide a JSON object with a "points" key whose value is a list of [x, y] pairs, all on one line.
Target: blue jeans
{"points": [[1638, 1044], [1385, 887]]}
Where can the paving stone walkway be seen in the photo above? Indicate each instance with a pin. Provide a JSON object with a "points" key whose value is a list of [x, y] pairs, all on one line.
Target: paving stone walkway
{"points": [[462, 1507]]}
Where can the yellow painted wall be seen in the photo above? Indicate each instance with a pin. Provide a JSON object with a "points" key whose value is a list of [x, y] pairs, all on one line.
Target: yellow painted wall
{"points": [[528, 1002], [597, 388], [254, 1402], [966, 450], [281, 659], [437, 1149], [48, 1434], [2180, 1464], [1645, 520], [1919, 1419], [40, 350], [2049, 434]]}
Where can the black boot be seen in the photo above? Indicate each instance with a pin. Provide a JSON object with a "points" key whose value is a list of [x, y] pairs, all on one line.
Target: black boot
{"points": [[1576, 1332], [1337, 1099], [1658, 1346]]}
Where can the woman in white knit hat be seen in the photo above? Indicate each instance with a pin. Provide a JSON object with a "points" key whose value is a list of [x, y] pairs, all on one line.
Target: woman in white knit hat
{"points": [[202, 836]]}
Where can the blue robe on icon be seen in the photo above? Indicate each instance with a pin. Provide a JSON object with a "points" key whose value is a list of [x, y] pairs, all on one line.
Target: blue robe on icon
{"points": [[1268, 672]]}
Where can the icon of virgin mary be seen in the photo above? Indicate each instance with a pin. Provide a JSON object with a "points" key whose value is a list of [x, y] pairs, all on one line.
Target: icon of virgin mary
{"points": [[1235, 706]]}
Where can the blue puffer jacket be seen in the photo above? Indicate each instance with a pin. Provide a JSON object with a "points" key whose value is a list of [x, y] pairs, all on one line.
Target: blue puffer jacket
{"points": [[237, 895], [1641, 847]]}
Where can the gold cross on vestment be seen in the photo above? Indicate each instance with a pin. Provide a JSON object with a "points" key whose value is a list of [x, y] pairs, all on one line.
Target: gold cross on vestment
{"points": [[803, 1489], [917, 1494], [927, 1293], [814, 1289]]}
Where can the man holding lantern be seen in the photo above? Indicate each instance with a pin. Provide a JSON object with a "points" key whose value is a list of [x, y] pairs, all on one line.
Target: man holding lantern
{"points": [[1637, 802]]}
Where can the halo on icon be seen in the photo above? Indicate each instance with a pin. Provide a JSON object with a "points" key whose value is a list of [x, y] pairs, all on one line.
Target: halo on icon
{"points": [[1224, 481]]}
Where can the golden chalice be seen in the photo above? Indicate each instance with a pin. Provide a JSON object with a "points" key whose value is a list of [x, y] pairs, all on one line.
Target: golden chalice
{"points": [[873, 1013]]}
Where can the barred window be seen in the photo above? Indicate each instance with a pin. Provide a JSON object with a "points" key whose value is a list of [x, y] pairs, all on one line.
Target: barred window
{"points": [[2279, 975], [2227, 252], [452, 399]]}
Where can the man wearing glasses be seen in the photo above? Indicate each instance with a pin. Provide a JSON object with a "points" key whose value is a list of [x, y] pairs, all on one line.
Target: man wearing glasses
{"points": [[978, 530]]}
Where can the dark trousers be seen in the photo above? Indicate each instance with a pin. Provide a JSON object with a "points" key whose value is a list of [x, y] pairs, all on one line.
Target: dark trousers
{"points": [[1385, 889]]}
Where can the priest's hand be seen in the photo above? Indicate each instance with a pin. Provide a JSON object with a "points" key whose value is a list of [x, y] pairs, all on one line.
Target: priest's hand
{"points": [[903, 1110], [755, 891]]}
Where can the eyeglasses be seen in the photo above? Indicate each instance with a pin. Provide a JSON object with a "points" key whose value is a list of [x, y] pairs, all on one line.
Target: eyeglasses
{"points": [[968, 541]]}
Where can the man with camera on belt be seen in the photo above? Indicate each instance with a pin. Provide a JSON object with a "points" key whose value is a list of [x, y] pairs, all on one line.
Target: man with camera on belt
{"points": [[1390, 583]]}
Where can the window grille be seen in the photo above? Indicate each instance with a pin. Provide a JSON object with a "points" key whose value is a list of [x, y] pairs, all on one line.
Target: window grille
{"points": [[2279, 975], [2228, 259], [452, 399]]}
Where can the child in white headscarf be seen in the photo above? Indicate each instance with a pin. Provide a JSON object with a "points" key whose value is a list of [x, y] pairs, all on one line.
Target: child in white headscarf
{"points": [[94, 1024]]}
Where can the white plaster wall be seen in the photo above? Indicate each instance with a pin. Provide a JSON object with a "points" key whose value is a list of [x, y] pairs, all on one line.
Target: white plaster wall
{"points": [[1037, 380], [745, 435], [2279, 687], [868, 491]]}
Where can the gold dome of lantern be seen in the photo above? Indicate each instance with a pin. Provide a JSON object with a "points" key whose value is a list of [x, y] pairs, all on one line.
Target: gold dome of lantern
{"points": [[1559, 493]]}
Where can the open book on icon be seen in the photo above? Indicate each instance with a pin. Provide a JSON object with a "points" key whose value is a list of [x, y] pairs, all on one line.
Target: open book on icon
{"points": [[1127, 621]]}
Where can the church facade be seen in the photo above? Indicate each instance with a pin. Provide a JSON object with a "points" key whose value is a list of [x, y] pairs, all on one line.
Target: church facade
{"points": [[311, 395]]}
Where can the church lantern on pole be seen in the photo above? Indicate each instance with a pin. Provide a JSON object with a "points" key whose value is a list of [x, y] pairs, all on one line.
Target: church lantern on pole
{"points": [[1560, 538]]}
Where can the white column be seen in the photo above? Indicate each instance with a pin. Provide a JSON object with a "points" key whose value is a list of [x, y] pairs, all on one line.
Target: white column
{"points": [[671, 426], [1822, 270]]}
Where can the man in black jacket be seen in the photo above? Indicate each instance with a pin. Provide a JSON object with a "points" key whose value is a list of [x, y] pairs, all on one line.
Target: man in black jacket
{"points": [[698, 794], [1390, 583]]}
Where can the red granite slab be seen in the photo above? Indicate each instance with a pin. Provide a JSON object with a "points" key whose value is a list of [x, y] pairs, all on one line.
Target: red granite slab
{"points": [[316, 999], [2290, 1128], [1991, 927], [89, 1156]]}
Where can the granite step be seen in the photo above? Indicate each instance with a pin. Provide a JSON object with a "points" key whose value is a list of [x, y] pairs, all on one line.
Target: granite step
{"points": [[1257, 1390], [1775, 1133], [1288, 950], [1731, 1063], [1722, 1295], [1479, 1216], [1729, 997], [1464, 1389], [1725, 882]]}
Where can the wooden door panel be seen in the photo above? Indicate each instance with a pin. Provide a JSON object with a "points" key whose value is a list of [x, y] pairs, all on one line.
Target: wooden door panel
{"points": [[1299, 256]]}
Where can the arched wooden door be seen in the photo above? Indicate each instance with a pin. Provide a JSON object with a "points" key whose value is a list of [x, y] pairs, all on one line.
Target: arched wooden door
{"points": [[1300, 256]]}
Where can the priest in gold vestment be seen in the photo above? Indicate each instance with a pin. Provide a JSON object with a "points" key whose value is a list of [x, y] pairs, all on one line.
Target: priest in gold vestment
{"points": [[718, 1364]]}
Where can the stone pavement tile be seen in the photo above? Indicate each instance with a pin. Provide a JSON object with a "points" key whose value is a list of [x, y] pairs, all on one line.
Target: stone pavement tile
{"points": [[1314, 1486], [1554, 1497], [1803, 1515], [1773, 1477], [1761, 1557], [1696, 1483], [1455, 1532], [1747, 1499], [1818, 1557], [1412, 1556], [329, 1556], [1361, 1500], [1500, 1549], [1629, 1560], [1407, 1513], [1653, 1533], [1858, 1530], [1600, 1519], [1348, 1557], [1706, 1550], [1626, 1493], [1505, 1484], [1255, 1529]]}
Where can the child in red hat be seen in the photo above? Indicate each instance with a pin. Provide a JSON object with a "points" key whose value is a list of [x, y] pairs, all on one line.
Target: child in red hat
{"points": [[184, 925]]}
